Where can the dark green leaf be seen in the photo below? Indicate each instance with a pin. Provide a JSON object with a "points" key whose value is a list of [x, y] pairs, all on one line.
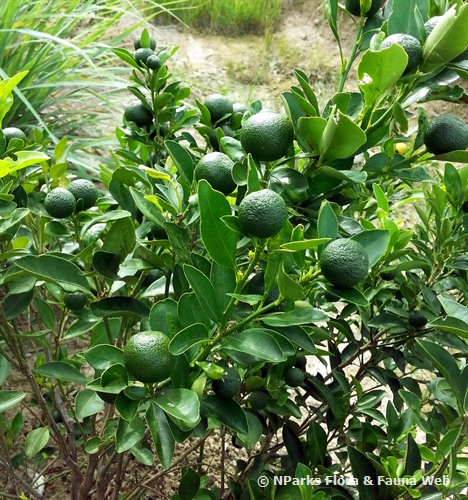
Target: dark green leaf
{"points": [[225, 411], [204, 291], [121, 306], [100, 357], [129, 433], [183, 404], [191, 335], [127, 407], [365, 474], [327, 225], [375, 242], [56, 270], [257, 342], [61, 371], [161, 434], [303, 314], [182, 159]]}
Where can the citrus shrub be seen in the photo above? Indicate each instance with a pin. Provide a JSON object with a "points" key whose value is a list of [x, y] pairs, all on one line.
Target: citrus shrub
{"points": [[361, 344]]}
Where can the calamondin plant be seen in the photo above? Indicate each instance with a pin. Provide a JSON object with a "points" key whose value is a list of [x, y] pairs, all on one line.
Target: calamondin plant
{"points": [[249, 274]]}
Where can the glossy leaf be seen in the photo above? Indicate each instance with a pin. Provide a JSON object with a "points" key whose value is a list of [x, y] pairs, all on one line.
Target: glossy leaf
{"points": [[61, 371], [87, 403], [102, 356], [129, 433], [377, 71], [182, 159], [257, 342], [56, 270], [301, 315], [194, 334], [9, 399], [204, 292], [375, 242], [112, 307], [219, 240], [183, 404], [225, 411]]}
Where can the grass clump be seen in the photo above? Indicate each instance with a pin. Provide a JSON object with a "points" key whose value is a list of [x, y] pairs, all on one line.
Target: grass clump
{"points": [[226, 16]]}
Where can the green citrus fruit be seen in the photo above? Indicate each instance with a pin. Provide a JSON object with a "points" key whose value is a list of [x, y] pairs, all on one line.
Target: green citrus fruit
{"points": [[218, 105], [83, 189], [417, 319], [446, 133], [147, 357], [13, 133], [229, 385], [267, 136], [294, 377], [344, 263], [389, 274], [354, 7], [142, 55], [301, 361], [60, 203], [75, 300], [412, 48], [262, 214], [137, 113], [216, 168], [239, 107], [430, 24], [153, 62], [256, 286], [137, 43], [258, 400]]}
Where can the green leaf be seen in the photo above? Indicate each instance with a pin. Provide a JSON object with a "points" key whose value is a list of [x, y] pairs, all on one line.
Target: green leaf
{"points": [[4, 369], [182, 404], [351, 295], [298, 336], [188, 337], [365, 474], [9, 399], [15, 304], [120, 306], [454, 309], [257, 342], [120, 239], [61, 371], [380, 197], [303, 314], [454, 156], [127, 407], [445, 363], [100, 357], [451, 325], [36, 440], [182, 159], [311, 129], [46, 312], [255, 431], [375, 242], [56, 270], [219, 240], [377, 71], [87, 403], [142, 454], [289, 288], [225, 411], [129, 433], [223, 280], [327, 225], [448, 39], [316, 444], [204, 291], [289, 183], [298, 246], [341, 137], [161, 433], [412, 457], [402, 18], [107, 264]]}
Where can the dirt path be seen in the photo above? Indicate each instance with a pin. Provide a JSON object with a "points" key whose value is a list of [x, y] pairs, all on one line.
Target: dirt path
{"points": [[253, 67]]}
